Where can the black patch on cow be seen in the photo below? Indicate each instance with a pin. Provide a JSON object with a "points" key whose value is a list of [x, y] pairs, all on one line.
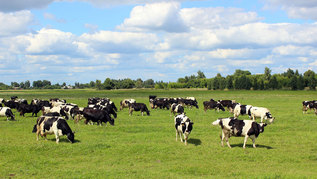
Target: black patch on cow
{"points": [[236, 126], [268, 115], [49, 123], [243, 109], [34, 128], [178, 122], [255, 129], [249, 111]]}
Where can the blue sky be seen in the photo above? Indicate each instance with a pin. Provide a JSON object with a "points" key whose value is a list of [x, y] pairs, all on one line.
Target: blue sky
{"points": [[81, 41]]}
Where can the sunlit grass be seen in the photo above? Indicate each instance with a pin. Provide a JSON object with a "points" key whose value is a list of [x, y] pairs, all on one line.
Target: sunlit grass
{"points": [[145, 147]]}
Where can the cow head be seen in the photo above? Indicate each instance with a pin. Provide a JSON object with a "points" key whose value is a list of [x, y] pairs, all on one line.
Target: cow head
{"points": [[268, 116], [71, 137], [220, 106], [187, 128]]}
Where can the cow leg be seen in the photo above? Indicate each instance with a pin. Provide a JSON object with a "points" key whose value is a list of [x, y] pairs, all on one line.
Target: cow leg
{"points": [[253, 140], [142, 113], [245, 140], [176, 134], [222, 137], [180, 136], [227, 140], [56, 136]]}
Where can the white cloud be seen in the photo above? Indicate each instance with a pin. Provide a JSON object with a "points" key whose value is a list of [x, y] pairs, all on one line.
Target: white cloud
{"points": [[17, 5], [296, 8], [15, 23], [163, 16]]}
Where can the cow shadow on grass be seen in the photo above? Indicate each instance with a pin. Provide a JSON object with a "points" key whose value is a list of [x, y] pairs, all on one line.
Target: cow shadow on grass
{"points": [[251, 146], [64, 140], [196, 142]]}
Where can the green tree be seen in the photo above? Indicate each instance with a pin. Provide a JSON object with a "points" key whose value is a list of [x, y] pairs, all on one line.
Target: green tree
{"points": [[200, 75], [99, 85], [267, 73]]}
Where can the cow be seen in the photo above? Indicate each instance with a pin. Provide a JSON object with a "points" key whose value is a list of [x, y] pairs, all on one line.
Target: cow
{"points": [[28, 108], [160, 104], [53, 125], [239, 128], [261, 112], [232, 106], [177, 108], [125, 103], [188, 102], [138, 107], [97, 115], [213, 105], [226, 103], [308, 105], [242, 110], [183, 127], [6, 111]]}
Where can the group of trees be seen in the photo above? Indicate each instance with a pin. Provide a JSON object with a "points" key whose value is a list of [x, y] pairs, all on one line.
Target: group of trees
{"points": [[241, 79]]}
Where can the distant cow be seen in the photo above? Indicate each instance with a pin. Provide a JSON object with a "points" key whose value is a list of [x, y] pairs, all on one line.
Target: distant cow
{"points": [[97, 115], [177, 108], [125, 103], [188, 102], [183, 127], [213, 105], [53, 125], [242, 110], [138, 107], [239, 128], [262, 113], [308, 105], [6, 111], [226, 103], [160, 104]]}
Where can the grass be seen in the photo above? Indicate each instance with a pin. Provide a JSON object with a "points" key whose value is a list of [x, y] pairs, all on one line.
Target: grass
{"points": [[145, 147]]}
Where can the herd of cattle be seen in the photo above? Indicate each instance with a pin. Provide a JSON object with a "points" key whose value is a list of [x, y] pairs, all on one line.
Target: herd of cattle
{"points": [[55, 112]]}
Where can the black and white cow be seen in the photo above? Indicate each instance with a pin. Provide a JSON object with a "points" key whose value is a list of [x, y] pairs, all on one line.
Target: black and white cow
{"points": [[157, 103], [97, 115], [7, 112], [53, 125], [308, 105], [226, 103], [183, 127], [213, 105], [177, 108], [239, 128], [188, 102], [125, 103], [262, 113], [138, 107], [242, 110]]}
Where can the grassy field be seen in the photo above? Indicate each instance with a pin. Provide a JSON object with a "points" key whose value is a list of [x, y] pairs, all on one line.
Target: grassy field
{"points": [[145, 147]]}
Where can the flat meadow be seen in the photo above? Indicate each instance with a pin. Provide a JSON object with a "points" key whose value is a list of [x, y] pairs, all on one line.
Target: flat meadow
{"points": [[145, 147]]}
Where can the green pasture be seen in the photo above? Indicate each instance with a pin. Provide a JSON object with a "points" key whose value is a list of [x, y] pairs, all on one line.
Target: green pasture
{"points": [[145, 147]]}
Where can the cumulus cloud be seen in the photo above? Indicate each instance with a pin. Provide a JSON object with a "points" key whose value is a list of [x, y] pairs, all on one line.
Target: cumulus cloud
{"points": [[296, 8], [164, 16], [15, 23]]}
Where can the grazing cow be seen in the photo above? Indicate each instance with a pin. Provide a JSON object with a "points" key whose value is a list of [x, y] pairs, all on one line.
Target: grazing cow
{"points": [[6, 111], [226, 103], [239, 128], [261, 112], [125, 103], [308, 105], [188, 102], [138, 107], [53, 125], [242, 110], [177, 108], [160, 104], [183, 126], [97, 115], [213, 105], [26, 108]]}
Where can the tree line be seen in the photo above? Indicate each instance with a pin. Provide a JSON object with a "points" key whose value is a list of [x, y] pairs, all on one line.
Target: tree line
{"points": [[241, 79]]}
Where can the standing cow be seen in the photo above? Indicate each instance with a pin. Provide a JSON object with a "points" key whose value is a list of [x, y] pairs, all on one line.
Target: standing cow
{"points": [[6, 111], [138, 107], [183, 127], [242, 110], [239, 128], [177, 108], [262, 113], [53, 125]]}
